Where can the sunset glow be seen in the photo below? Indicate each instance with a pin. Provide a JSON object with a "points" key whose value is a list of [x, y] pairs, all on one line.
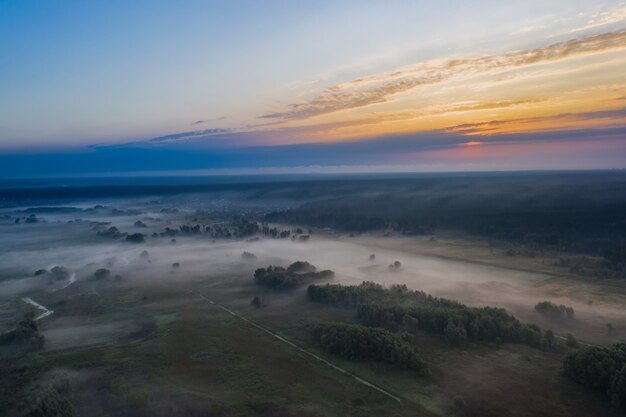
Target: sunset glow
{"points": [[408, 68]]}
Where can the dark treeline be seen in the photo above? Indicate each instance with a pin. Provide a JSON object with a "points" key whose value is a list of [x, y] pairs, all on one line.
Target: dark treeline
{"points": [[298, 273], [578, 213], [352, 342], [600, 368], [557, 311], [400, 308]]}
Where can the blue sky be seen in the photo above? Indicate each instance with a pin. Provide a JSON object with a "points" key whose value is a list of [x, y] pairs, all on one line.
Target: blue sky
{"points": [[80, 79]]}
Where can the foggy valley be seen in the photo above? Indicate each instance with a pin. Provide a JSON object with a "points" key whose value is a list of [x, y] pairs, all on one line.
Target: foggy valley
{"points": [[114, 276]]}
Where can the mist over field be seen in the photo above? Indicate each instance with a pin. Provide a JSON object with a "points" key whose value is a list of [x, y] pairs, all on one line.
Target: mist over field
{"points": [[312, 209], [100, 270]]}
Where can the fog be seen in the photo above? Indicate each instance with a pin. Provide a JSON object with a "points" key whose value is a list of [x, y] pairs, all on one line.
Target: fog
{"points": [[68, 238]]}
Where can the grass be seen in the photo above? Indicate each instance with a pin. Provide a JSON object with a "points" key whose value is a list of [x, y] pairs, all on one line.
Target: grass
{"points": [[199, 358]]}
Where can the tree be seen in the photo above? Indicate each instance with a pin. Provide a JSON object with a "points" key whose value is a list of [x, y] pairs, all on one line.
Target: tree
{"points": [[548, 340], [102, 273], [556, 311], [571, 341], [256, 302], [136, 238], [455, 334]]}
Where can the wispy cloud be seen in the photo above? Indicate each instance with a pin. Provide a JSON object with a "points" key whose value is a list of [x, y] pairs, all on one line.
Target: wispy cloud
{"points": [[380, 88], [492, 126], [603, 19], [178, 137]]}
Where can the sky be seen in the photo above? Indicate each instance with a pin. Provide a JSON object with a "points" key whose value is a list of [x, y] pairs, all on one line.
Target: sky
{"points": [[117, 87]]}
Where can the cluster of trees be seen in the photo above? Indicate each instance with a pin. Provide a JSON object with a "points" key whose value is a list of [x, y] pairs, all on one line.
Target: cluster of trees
{"points": [[554, 310], [187, 229], [242, 227], [273, 232], [30, 219], [301, 267], [112, 232], [248, 256], [360, 342], [279, 278], [400, 308], [458, 324], [26, 333], [237, 227], [136, 238], [370, 292], [102, 273], [56, 273], [327, 218], [395, 266], [51, 400], [600, 368]]}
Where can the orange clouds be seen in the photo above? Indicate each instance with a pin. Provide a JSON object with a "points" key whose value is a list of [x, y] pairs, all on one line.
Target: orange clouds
{"points": [[381, 88]]}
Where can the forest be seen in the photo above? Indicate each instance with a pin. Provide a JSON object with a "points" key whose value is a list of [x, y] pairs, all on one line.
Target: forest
{"points": [[583, 214], [400, 308]]}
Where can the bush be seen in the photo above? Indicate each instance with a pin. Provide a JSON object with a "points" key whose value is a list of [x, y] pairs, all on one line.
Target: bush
{"points": [[256, 302]]}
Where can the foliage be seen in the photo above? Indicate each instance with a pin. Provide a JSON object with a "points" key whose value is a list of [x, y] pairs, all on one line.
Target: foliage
{"points": [[26, 333], [301, 267], [397, 307], [600, 368], [256, 302], [102, 273], [280, 278], [557, 311], [52, 401], [359, 342], [136, 238], [571, 341], [574, 213]]}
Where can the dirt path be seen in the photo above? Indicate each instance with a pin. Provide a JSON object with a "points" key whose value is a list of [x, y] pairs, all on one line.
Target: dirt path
{"points": [[306, 352], [45, 311]]}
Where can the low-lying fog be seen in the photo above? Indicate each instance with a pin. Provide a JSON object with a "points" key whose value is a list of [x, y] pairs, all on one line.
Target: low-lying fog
{"points": [[57, 239]]}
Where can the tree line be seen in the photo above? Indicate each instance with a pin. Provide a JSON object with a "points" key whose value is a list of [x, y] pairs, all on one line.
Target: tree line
{"points": [[353, 341], [400, 308]]}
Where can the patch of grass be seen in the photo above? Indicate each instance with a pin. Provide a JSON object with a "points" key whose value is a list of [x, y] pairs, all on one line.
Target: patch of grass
{"points": [[82, 359], [129, 298], [163, 322]]}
